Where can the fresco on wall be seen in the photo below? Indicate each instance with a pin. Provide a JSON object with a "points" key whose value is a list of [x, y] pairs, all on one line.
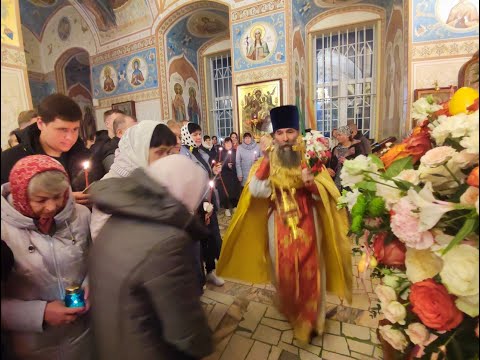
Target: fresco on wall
{"points": [[77, 70], [299, 76], [443, 20], [36, 13], [64, 28], [184, 91], [9, 23], [259, 42], [40, 90], [395, 76], [190, 33], [131, 73]]}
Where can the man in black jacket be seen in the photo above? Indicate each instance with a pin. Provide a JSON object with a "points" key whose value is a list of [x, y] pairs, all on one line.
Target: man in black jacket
{"points": [[54, 134]]}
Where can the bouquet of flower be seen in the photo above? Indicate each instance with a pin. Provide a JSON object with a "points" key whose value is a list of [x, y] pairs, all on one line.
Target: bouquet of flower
{"points": [[415, 213], [317, 152]]}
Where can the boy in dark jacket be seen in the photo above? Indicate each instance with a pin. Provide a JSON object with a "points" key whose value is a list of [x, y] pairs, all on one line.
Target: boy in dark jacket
{"points": [[54, 134]]}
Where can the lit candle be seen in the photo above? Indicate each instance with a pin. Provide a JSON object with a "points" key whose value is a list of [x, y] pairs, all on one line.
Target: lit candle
{"points": [[212, 185], [254, 155], [86, 166], [220, 149]]}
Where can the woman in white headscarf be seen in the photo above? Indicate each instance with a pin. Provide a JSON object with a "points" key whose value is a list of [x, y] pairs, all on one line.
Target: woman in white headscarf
{"points": [[141, 145], [144, 291]]}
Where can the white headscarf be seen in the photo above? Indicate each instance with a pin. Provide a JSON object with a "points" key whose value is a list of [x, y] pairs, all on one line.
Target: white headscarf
{"points": [[186, 181], [133, 148], [187, 137]]}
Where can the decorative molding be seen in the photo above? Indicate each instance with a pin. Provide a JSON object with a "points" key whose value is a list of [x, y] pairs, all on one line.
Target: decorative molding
{"points": [[452, 48], [123, 50], [139, 96], [13, 56], [262, 74], [161, 58], [41, 77], [245, 13]]}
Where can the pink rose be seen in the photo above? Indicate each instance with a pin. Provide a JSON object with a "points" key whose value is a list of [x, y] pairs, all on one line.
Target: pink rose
{"points": [[438, 156], [405, 225]]}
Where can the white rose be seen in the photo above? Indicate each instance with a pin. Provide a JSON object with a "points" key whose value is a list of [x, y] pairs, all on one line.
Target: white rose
{"points": [[418, 333], [464, 159], [438, 156], [395, 312], [471, 143], [410, 175], [470, 196], [393, 337], [468, 305], [349, 199], [396, 282], [423, 107], [353, 170], [385, 294], [422, 264], [460, 270]]}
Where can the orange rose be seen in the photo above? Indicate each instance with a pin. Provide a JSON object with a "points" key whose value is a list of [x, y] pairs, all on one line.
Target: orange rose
{"points": [[416, 145], [392, 254], [435, 307], [472, 179]]}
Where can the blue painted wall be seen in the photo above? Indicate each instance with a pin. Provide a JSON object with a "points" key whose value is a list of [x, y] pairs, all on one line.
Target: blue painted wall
{"points": [[34, 17], [40, 90]]}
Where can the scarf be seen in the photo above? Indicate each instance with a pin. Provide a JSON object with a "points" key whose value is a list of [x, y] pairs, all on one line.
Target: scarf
{"points": [[187, 138], [20, 177], [133, 148], [184, 180], [206, 146]]}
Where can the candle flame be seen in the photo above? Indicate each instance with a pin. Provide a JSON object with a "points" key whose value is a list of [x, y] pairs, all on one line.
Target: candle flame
{"points": [[211, 183], [213, 161], [220, 148], [86, 165], [230, 152]]}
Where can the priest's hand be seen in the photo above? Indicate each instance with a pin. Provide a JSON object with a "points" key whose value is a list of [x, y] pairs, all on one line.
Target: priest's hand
{"points": [[307, 177], [265, 143], [331, 172]]}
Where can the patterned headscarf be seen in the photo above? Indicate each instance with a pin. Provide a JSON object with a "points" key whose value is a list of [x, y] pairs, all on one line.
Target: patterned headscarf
{"points": [[345, 130], [187, 137], [20, 177]]}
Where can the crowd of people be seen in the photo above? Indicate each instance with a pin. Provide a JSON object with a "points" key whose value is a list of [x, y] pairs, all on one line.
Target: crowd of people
{"points": [[131, 221]]}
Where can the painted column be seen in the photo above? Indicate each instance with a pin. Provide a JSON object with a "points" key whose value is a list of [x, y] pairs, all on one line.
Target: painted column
{"points": [[15, 88]]}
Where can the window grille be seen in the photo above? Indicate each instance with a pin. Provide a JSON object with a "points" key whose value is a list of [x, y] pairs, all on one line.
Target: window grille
{"points": [[346, 79], [221, 94]]}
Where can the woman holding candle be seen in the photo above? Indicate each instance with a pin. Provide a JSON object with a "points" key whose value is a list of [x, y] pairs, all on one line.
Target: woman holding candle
{"points": [[247, 153], [49, 237], [234, 137], [227, 183], [192, 140]]}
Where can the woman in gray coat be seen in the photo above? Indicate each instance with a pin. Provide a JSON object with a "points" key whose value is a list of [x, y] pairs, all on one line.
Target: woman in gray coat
{"points": [[145, 299], [48, 235], [247, 153]]}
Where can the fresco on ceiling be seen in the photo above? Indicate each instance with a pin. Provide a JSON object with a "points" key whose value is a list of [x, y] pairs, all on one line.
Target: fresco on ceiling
{"points": [[131, 73], [190, 33], [259, 42], [306, 10], [36, 13], [64, 28], [9, 23], [184, 91], [77, 70], [442, 20]]}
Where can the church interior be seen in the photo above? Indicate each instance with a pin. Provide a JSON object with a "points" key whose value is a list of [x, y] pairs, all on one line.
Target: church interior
{"points": [[224, 64]]}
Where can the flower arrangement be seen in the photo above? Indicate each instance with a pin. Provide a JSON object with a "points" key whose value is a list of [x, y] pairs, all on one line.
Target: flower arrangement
{"points": [[317, 152], [415, 212]]}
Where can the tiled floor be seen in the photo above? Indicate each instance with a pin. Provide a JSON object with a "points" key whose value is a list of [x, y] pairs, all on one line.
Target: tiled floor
{"points": [[247, 325]]}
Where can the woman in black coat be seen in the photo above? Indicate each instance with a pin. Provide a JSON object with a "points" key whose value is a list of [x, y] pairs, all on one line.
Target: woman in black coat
{"points": [[227, 183]]}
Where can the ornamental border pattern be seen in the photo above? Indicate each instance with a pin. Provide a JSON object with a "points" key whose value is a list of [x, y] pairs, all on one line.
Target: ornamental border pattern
{"points": [[256, 10], [138, 96], [260, 75], [160, 36], [122, 51], [444, 49], [13, 57]]}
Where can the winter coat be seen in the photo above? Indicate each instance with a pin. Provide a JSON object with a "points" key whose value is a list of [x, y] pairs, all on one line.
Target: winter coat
{"points": [[40, 261], [228, 181], [71, 160], [145, 301], [246, 156]]}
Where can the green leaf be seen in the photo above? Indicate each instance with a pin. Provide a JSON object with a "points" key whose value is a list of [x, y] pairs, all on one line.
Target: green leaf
{"points": [[403, 185], [470, 225], [398, 166], [367, 186], [377, 161]]}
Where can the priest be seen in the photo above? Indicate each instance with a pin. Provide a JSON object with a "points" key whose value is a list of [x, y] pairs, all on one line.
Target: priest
{"points": [[287, 230]]}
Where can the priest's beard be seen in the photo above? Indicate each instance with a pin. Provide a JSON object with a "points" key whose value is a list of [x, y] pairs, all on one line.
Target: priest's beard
{"points": [[287, 157]]}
